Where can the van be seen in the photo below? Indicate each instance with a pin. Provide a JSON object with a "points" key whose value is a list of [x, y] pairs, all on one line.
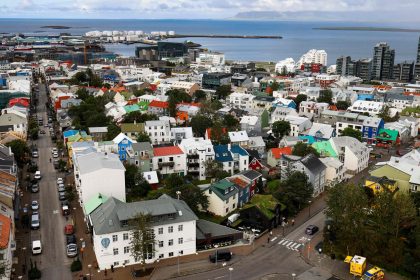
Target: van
{"points": [[35, 221], [233, 218], [36, 247], [222, 255]]}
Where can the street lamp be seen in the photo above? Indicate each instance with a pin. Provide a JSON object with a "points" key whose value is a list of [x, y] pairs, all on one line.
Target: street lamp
{"points": [[24, 256], [216, 246], [309, 208], [90, 271], [230, 273], [293, 276], [178, 193]]}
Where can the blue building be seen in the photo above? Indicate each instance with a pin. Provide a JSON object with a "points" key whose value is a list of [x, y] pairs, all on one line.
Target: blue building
{"points": [[123, 143], [371, 127], [283, 102]]}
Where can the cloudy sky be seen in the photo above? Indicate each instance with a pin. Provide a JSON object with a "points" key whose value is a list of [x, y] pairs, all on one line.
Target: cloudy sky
{"points": [[369, 10]]}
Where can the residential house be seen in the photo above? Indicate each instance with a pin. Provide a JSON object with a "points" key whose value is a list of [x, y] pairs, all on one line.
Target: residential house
{"points": [[371, 127], [263, 102], [173, 225], [380, 184], [311, 92], [158, 131], [152, 178], [169, 160], [123, 144], [243, 186], [132, 130], [280, 113], [253, 177], [199, 152], [274, 155], [222, 197], [224, 157], [321, 131], [7, 160], [250, 123], [310, 165], [403, 128], [179, 133], [159, 108], [298, 125], [312, 107], [335, 171], [264, 211], [373, 108], [7, 243], [387, 138], [141, 155], [189, 88], [98, 133], [239, 138], [240, 158], [96, 172], [15, 121], [240, 100], [255, 162], [399, 101], [283, 102], [257, 143], [353, 153]]}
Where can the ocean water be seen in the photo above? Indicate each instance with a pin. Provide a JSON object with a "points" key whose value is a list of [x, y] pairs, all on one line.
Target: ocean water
{"points": [[298, 37]]}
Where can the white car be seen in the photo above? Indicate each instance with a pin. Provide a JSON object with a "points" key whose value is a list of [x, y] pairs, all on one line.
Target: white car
{"points": [[55, 155], [60, 181], [36, 247], [54, 150], [34, 205], [37, 175]]}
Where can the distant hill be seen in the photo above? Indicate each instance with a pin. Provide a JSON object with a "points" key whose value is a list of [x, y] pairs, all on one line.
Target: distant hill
{"points": [[259, 15]]}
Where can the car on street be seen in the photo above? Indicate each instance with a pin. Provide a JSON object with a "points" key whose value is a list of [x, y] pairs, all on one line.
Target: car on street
{"points": [[45, 125], [68, 229], [71, 250], [54, 150], [62, 196], [36, 247], [35, 188], [71, 239], [61, 188], [35, 154], [37, 175], [35, 220], [55, 155], [34, 205], [311, 229], [42, 132], [220, 256], [59, 181]]}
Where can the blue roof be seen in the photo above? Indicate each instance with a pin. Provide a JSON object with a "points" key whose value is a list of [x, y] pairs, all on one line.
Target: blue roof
{"points": [[69, 133], [307, 139], [236, 149], [222, 153]]}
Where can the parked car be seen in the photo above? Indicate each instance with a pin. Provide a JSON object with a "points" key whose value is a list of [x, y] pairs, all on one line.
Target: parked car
{"points": [[71, 239], [71, 250], [59, 181], [68, 229], [36, 247], [35, 188], [62, 195], [42, 132], [35, 154], [34, 205], [311, 229], [222, 255], [54, 150], [55, 155], [37, 175], [65, 210], [35, 221], [61, 188]]}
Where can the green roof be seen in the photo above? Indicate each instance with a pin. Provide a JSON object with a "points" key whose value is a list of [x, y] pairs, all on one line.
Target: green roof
{"points": [[387, 134], [132, 127], [94, 203], [265, 203], [143, 105], [131, 108], [222, 186], [324, 148]]}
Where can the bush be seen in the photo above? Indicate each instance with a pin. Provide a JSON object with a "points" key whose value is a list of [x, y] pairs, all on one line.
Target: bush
{"points": [[76, 265], [32, 168], [34, 272]]}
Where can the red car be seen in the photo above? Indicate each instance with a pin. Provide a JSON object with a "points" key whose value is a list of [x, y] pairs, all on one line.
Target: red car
{"points": [[68, 229]]}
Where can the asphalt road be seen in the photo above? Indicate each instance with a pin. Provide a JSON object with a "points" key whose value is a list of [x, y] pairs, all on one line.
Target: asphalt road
{"points": [[53, 261]]}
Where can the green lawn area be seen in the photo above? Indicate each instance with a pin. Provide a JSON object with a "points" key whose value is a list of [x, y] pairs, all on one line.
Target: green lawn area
{"points": [[272, 185], [202, 182], [265, 203], [211, 218]]}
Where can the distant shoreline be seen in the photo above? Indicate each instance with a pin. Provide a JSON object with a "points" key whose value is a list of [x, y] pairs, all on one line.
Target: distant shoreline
{"points": [[56, 27], [384, 29]]}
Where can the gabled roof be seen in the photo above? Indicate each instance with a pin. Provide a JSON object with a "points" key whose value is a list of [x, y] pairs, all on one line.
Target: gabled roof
{"points": [[120, 137], [142, 146], [224, 189], [5, 225], [94, 203], [97, 161], [325, 148], [159, 104], [313, 163], [132, 127], [236, 149], [251, 174], [167, 151], [278, 152], [320, 130], [238, 136], [387, 134], [222, 153], [239, 182]]}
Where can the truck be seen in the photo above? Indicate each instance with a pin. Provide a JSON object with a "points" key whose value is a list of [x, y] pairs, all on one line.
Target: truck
{"points": [[358, 267], [375, 273]]}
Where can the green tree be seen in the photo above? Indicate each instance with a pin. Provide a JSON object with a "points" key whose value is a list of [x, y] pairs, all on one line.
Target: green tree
{"points": [[82, 93], [70, 193], [274, 86], [143, 91], [130, 175], [113, 131], [348, 131], [139, 117], [299, 98], [200, 123], [325, 96], [192, 195], [294, 192], [280, 129], [200, 95], [302, 149], [143, 137], [215, 170], [385, 114], [231, 123], [172, 181], [19, 150], [176, 96], [142, 238], [223, 91], [342, 105]]}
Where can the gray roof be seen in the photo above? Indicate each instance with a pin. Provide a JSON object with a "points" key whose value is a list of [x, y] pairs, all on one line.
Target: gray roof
{"points": [[251, 174], [142, 146], [98, 129], [313, 164], [108, 216], [206, 227], [10, 119], [97, 161]]}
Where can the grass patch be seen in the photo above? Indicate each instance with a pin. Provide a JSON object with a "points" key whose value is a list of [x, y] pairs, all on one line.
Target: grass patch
{"points": [[210, 217], [265, 203]]}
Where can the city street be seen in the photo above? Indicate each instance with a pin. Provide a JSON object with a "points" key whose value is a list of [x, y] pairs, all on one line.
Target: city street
{"points": [[53, 261]]}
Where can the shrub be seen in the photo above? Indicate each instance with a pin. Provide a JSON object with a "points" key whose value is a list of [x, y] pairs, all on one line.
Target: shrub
{"points": [[76, 265]]}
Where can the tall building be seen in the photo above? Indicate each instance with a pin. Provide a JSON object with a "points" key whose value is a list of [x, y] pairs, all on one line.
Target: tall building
{"points": [[417, 69], [344, 66], [363, 69], [404, 71], [383, 62], [314, 56]]}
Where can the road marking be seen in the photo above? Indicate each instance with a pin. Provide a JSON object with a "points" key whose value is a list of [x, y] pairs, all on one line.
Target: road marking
{"points": [[220, 277], [56, 211], [297, 246], [282, 241], [274, 239], [288, 243]]}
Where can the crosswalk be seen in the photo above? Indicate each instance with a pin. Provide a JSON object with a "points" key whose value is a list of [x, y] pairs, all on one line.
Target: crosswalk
{"points": [[291, 245]]}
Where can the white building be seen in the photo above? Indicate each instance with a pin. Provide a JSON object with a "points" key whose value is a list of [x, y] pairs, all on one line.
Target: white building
{"points": [[373, 108], [239, 138], [211, 58], [158, 131], [240, 100], [222, 197], [198, 152], [335, 171], [351, 152], [280, 113], [173, 223], [97, 172], [287, 65], [312, 107], [314, 56], [169, 160], [179, 133], [298, 125]]}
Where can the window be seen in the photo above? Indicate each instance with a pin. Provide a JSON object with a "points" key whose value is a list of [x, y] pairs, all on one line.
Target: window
{"points": [[171, 254], [125, 236], [126, 250], [181, 252], [115, 238], [116, 263], [180, 227], [126, 261], [171, 158], [160, 244], [160, 230], [227, 210], [115, 251], [170, 229], [170, 242], [180, 240], [160, 256], [233, 206]]}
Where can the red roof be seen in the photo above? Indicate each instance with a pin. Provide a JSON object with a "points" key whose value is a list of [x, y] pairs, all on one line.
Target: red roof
{"points": [[277, 152], [5, 223], [159, 104], [23, 101], [167, 151], [208, 132], [239, 182]]}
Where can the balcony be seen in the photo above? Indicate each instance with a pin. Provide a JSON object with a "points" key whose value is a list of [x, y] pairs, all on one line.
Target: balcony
{"points": [[193, 156], [193, 164], [166, 164]]}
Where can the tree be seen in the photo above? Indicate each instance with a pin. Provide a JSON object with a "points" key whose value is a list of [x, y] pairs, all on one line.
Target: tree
{"points": [[143, 91], [143, 137], [113, 131], [176, 96], [142, 238], [34, 272], [280, 129], [294, 192], [325, 96], [299, 98], [342, 105], [348, 131], [274, 86], [139, 117], [200, 95], [223, 91], [130, 173], [385, 114], [172, 181], [230, 122], [19, 150], [82, 93], [200, 123], [219, 134], [214, 169], [302, 149], [192, 195]]}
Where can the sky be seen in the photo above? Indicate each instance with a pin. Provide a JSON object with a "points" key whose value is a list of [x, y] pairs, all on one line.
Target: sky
{"points": [[346, 10]]}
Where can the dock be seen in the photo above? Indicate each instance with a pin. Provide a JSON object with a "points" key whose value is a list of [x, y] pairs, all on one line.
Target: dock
{"points": [[224, 36]]}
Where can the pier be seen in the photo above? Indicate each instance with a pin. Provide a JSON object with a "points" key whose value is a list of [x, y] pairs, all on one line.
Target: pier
{"points": [[224, 36]]}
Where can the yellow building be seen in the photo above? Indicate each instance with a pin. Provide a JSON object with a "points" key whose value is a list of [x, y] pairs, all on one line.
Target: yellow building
{"points": [[379, 184]]}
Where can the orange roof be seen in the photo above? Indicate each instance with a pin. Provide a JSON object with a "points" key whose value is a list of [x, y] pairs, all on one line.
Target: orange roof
{"points": [[160, 104], [277, 152], [118, 88], [190, 104], [239, 182], [5, 224], [208, 132], [167, 151], [332, 108]]}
